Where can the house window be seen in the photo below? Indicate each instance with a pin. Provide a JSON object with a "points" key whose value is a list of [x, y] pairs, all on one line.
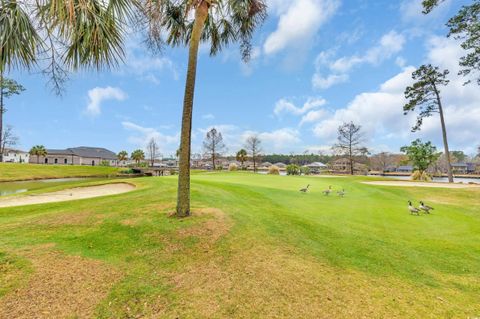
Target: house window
{"points": [[56, 161], [93, 163], [46, 160], [65, 161]]}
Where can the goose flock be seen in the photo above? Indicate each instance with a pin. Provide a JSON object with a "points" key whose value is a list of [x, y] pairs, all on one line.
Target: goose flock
{"points": [[422, 208]]}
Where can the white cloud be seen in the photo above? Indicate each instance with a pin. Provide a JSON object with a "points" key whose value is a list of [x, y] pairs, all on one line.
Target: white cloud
{"points": [[98, 95], [299, 21], [389, 44], [381, 112], [285, 106], [208, 116], [142, 135], [281, 140], [411, 11], [313, 116]]}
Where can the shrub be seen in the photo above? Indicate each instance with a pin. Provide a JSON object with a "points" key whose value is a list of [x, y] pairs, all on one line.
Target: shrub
{"points": [[421, 176], [104, 163], [219, 168], [293, 169], [232, 167], [305, 170], [274, 170]]}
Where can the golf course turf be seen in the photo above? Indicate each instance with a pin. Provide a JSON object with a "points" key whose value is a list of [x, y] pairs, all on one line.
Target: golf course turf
{"points": [[255, 247]]}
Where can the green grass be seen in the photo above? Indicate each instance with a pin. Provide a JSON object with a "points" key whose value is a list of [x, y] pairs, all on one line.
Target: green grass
{"points": [[16, 172], [267, 250]]}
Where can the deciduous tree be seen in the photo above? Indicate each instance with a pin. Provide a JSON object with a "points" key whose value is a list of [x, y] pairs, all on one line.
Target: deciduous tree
{"points": [[349, 143], [8, 88], [421, 155], [213, 145], [253, 145], [153, 151]]}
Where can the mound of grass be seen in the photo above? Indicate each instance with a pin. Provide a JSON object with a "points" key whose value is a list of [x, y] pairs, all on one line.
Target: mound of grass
{"points": [[16, 172], [256, 247]]}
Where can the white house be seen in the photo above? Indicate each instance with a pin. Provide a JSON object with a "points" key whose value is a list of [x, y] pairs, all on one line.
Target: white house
{"points": [[15, 156]]}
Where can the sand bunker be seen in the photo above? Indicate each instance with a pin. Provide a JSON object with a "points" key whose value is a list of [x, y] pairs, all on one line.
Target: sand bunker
{"points": [[67, 194], [422, 184]]}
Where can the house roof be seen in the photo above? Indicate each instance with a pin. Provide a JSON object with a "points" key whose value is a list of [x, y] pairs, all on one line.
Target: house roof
{"points": [[406, 167], [316, 164], [459, 165], [84, 151]]}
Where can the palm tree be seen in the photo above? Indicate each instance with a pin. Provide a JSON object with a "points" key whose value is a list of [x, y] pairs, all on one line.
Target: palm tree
{"points": [[187, 22], [38, 150], [137, 156], [66, 34], [242, 156], [122, 156]]}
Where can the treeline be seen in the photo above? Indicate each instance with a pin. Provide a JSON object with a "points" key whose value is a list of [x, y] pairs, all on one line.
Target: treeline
{"points": [[299, 159]]}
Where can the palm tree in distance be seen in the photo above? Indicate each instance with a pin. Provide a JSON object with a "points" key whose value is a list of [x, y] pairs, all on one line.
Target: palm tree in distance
{"points": [[122, 156], [189, 22], [38, 150], [137, 156], [242, 156]]}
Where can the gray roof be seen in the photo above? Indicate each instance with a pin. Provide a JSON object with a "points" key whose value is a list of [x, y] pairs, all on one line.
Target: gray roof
{"points": [[84, 151]]}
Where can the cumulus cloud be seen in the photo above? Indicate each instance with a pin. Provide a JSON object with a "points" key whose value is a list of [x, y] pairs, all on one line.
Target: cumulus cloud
{"points": [[299, 21], [381, 112], [284, 106], [98, 95], [337, 70], [142, 135], [281, 140]]}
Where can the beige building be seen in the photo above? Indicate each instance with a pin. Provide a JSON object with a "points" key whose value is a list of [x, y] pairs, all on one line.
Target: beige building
{"points": [[83, 155]]}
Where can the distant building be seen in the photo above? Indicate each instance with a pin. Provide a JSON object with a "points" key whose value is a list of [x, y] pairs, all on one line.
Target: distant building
{"points": [[464, 168], [83, 155], [15, 156], [342, 165], [405, 169], [316, 167]]}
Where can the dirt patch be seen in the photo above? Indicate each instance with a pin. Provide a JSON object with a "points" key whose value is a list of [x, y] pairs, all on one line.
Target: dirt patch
{"points": [[67, 194], [60, 287], [209, 231], [421, 184], [268, 282]]}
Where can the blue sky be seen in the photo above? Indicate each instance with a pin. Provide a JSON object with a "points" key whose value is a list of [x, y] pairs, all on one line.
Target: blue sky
{"points": [[315, 64]]}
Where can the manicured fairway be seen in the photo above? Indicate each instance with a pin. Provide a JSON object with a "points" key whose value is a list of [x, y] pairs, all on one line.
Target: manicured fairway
{"points": [[16, 172], [255, 248]]}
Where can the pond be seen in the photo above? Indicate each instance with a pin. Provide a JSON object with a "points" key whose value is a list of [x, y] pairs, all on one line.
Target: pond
{"points": [[9, 188], [438, 179]]}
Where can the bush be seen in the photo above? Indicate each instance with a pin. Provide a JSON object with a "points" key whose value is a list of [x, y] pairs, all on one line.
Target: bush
{"points": [[305, 170], [104, 163], [219, 168], [232, 167], [293, 169], [274, 170], [421, 176]]}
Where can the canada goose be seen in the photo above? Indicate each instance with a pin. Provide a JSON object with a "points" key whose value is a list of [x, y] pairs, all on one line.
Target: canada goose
{"points": [[341, 193], [327, 191], [304, 190], [425, 208], [413, 210]]}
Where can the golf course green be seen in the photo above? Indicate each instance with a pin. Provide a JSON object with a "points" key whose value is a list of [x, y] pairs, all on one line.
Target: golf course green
{"points": [[255, 247]]}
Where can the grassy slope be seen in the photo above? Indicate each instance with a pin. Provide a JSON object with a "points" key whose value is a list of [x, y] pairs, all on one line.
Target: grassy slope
{"points": [[275, 252], [13, 172]]}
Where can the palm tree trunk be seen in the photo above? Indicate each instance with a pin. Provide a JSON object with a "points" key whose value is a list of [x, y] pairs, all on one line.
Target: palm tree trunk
{"points": [[445, 140], [183, 196]]}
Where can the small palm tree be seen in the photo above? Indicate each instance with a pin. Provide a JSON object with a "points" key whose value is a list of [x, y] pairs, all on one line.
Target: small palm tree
{"points": [[38, 150], [189, 22], [137, 156], [122, 156], [242, 156]]}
